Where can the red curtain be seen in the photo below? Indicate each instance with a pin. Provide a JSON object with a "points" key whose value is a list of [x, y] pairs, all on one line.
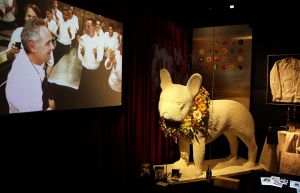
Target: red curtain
{"points": [[161, 41]]}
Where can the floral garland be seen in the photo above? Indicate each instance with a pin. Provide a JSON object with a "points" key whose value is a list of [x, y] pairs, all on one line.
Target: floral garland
{"points": [[195, 122]]}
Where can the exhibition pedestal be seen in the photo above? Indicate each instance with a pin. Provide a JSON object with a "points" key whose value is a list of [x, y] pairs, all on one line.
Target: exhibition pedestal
{"points": [[219, 167]]}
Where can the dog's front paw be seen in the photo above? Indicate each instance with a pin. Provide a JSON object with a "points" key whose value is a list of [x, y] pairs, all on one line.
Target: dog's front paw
{"points": [[231, 158], [198, 172], [249, 164], [181, 163]]}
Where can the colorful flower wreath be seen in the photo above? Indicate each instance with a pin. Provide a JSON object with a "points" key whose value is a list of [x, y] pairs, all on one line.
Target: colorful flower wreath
{"points": [[195, 122]]}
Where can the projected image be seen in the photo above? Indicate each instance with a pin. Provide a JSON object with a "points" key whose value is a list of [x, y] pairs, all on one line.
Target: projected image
{"points": [[55, 56]]}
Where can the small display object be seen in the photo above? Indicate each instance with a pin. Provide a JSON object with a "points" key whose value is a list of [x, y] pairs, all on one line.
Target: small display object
{"points": [[159, 173], [145, 170], [175, 174]]}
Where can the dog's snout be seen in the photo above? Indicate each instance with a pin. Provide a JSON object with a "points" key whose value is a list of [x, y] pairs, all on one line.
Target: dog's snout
{"points": [[166, 115]]}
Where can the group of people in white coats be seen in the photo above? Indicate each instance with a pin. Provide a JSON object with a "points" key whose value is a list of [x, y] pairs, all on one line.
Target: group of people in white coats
{"points": [[34, 59]]}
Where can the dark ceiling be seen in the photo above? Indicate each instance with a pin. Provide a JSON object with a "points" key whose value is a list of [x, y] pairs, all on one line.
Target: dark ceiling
{"points": [[185, 12], [192, 13], [208, 12]]}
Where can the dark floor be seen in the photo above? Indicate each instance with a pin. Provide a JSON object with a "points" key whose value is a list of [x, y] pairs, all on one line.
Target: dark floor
{"points": [[249, 183]]}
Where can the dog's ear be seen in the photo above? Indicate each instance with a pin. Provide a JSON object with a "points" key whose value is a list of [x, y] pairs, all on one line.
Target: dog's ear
{"points": [[165, 78], [194, 84]]}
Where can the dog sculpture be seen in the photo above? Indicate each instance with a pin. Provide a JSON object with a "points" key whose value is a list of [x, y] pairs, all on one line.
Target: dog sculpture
{"points": [[226, 117]]}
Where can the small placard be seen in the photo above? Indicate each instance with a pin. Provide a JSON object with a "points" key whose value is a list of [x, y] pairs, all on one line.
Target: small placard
{"points": [[294, 184], [159, 173], [175, 175]]}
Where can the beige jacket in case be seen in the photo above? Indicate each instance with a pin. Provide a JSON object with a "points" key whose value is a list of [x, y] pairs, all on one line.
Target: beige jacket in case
{"points": [[285, 80]]}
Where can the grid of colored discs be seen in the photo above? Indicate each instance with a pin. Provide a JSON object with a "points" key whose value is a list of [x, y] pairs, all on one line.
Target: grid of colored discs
{"points": [[226, 55]]}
